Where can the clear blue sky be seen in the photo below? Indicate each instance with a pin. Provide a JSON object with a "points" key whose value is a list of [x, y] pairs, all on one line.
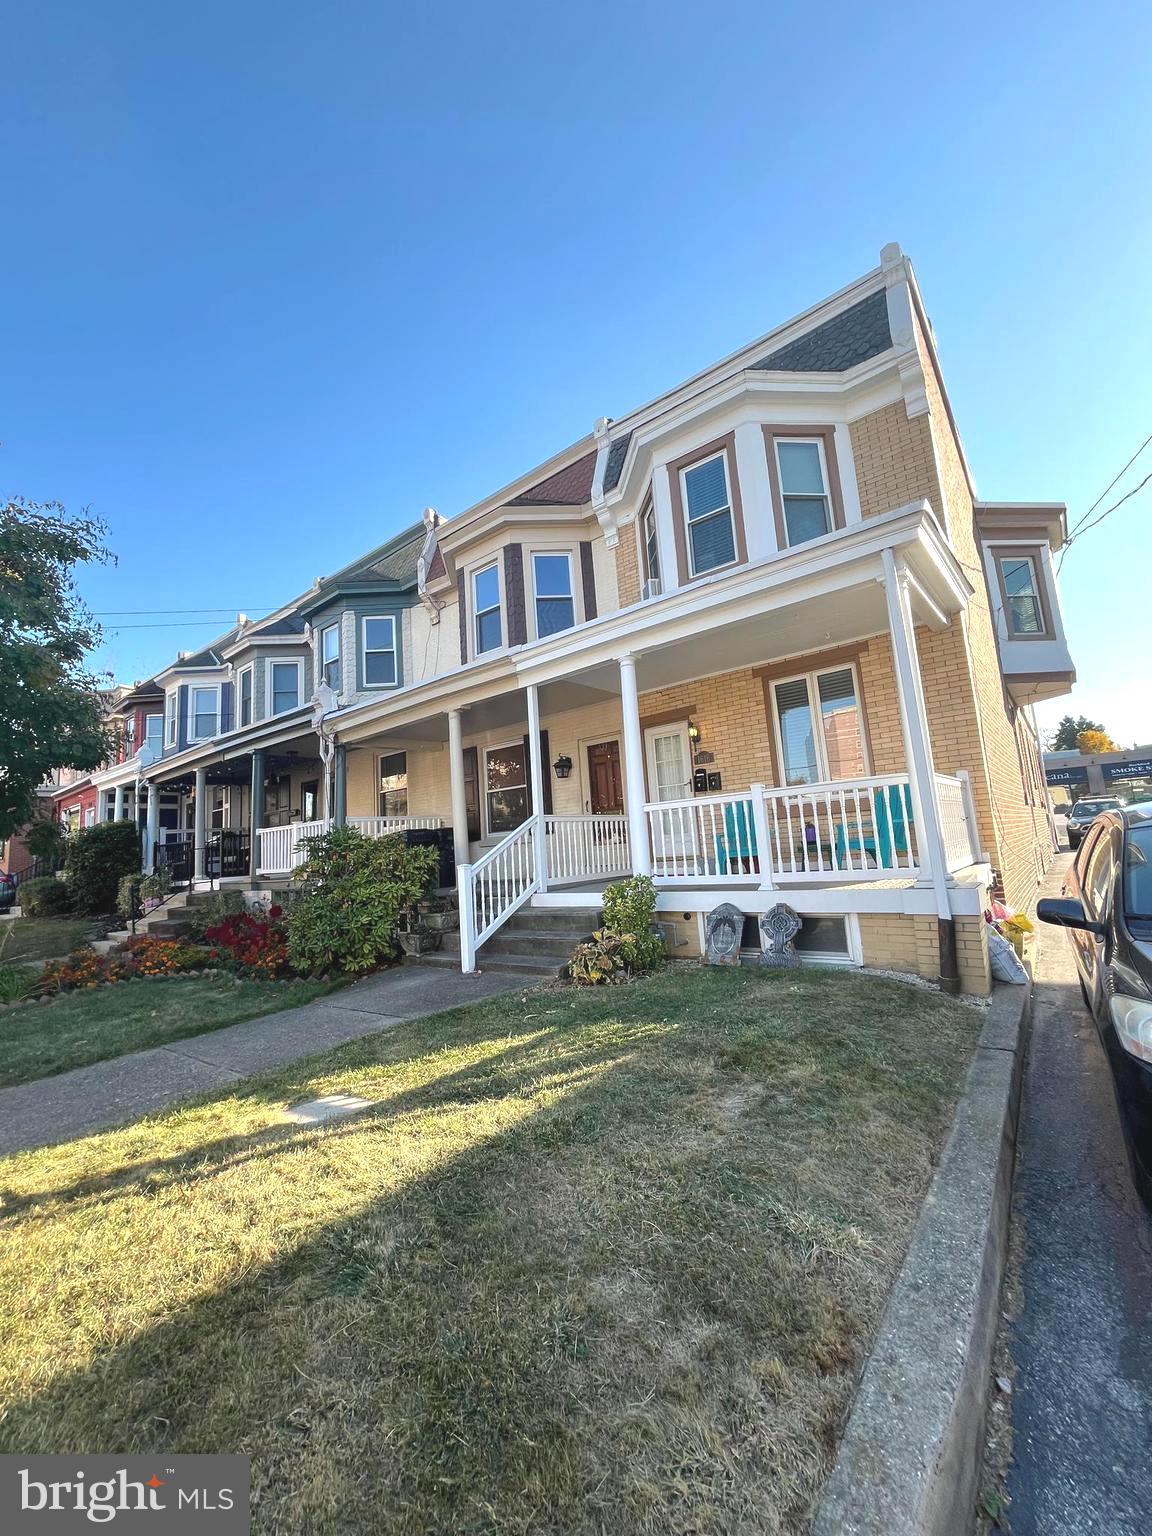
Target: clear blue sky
{"points": [[275, 277]]}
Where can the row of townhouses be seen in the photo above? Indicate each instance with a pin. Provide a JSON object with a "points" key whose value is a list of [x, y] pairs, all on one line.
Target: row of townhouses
{"points": [[759, 639]]}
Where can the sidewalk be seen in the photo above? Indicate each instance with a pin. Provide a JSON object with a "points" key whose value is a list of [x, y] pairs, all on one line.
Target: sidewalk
{"points": [[111, 1092]]}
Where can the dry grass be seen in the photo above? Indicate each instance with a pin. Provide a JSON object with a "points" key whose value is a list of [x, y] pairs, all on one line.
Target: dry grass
{"points": [[596, 1262], [43, 938]]}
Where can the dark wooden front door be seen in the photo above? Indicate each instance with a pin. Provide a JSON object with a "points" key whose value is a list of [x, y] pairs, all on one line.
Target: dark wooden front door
{"points": [[605, 781]]}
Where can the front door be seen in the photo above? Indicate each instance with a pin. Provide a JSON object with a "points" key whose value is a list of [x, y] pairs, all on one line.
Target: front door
{"points": [[605, 780], [310, 800], [669, 755]]}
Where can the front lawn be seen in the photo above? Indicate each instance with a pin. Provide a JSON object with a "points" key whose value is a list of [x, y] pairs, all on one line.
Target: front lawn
{"points": [[599, 1261], [78, 1028], [43, 938]]}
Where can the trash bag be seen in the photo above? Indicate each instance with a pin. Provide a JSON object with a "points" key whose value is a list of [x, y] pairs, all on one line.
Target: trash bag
{"points": [[1006, 964]]}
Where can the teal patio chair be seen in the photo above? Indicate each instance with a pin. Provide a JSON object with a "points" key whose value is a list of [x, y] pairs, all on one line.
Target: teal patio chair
{"points": [[889, 834], [739, 840]]}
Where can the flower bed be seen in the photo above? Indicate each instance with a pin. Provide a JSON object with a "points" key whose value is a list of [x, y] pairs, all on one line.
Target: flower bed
{"points": [[258, 945]]}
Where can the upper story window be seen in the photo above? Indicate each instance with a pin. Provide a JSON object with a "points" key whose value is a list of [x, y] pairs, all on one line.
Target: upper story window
{"points": [[284, 685], [171, 717], [651, 545], [244, 697], [486, 608], [330, 656], [803, 489], [380, 652], [708, 513], [204, 713], [1022, 594], [153, 731], [552, 583]]}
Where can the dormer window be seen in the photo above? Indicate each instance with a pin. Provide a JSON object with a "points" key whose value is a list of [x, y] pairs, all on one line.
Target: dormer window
{"points": [[1022, 595], [330, 656], [708, 510], [486, 608]]}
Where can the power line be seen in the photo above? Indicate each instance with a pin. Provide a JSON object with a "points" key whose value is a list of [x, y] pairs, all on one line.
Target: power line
{"points": [[115, 629], [1082, 527], [108, 613], [1077, 525]]}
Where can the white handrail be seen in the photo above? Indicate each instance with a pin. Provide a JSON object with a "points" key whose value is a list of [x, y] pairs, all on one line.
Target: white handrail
{"points": [[385, 826], [279, 851], [849, 829], [495, 887], [707, 837], [585, 847]]}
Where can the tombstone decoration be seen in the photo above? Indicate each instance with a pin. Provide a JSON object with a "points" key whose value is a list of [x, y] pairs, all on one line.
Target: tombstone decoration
{"points": [[778, 930], [723, 928]]}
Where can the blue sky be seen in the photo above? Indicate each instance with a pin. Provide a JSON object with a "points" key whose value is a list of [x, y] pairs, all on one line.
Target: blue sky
{"points": [[277, 277]]}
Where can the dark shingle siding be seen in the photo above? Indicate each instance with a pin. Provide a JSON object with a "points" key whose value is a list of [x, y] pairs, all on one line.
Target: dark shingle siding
{"points": [[292, 624], [514, 594], [568, 487], [858, 334], [617, 453]]}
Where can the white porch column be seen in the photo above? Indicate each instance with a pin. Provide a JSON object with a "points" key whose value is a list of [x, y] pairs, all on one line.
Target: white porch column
{"points": [[917, 743], [153, 827], [537, 770], [199, 823], [634, 768], [118, 803], [456, 782]]}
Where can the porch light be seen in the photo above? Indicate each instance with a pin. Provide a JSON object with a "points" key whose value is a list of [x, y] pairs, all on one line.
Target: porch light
{"points": [[693, 732], [562, 767]]}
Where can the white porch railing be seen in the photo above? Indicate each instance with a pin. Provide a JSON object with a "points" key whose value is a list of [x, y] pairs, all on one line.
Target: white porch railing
{"points": [[586, 847], [850, 830], [957, 829], [705, 837], [494, 887], [279, 851]]}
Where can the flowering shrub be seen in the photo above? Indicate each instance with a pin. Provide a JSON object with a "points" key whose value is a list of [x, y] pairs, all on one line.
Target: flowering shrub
{"points": [[163, 957], [252, 943]]}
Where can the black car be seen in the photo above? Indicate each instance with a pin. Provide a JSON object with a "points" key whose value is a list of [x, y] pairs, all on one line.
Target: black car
{"points": [[1084, 813], [1107, 908]]}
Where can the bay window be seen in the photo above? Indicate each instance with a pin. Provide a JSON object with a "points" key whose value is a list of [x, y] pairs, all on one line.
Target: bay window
{"points": [[171, 717], [1020, 590], [552, 584], [379, 646], [651, 546], [330, 656], [803, 489], [284, 686], [244, 697], [205, 713], [486, 609], [708, 514], [820, 727]]}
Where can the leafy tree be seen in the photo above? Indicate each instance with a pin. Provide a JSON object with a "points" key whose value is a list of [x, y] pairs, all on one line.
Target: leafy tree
{"points": [[45, 840], [50, 708], [1069, 729], [1095, 740]]}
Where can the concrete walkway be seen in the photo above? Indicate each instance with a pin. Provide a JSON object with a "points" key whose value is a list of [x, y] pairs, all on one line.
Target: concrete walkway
{"points": [[112, 1092], [1082, 1344]]}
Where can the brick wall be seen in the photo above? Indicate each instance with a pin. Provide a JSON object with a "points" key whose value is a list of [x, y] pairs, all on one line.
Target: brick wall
{"points": [[628, 567], [894, 942]]}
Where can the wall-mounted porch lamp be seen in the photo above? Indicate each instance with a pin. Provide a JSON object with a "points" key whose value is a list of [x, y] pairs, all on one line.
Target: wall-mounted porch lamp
{"points": [[562, 767]]}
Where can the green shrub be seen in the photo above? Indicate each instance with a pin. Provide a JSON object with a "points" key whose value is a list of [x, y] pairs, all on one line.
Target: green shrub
{"points": [[598, 961], [129, 895], [44, 897], [45, 840], [97, 859], [629, 907], [353, 890], [16, 982]]}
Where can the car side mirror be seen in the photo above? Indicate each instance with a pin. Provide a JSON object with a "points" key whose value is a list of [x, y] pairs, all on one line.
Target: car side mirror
{"points": [[1067, 912]]}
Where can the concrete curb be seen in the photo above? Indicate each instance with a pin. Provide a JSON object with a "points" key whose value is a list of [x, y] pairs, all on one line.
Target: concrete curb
{"points": [[909, 1461]]}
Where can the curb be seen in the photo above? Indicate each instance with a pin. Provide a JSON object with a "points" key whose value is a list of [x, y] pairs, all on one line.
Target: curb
{"points": [[909, 1460]]}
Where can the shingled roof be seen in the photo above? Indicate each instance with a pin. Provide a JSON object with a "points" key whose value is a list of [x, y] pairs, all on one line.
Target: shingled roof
{"points": [[568, 487], [847, 339], [617, 453]]}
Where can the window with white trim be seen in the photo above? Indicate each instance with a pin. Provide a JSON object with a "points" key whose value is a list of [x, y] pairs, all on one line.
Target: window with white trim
{"points": [[379, 642], [651, 543], [393, 788], [489, 631], [1024, 610], [204, 713], [708, 514], [330, 656], [244, 697], [284, 685], [552, 586], [803, 488], [171, 717], [820, 726]]}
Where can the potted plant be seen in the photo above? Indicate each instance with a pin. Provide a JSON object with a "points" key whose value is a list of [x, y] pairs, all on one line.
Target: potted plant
{"points": [[439, 913], [414, 935]]}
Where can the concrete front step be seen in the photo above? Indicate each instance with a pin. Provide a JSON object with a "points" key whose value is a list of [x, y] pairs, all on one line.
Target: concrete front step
{"points": [[527, 966], [510, 941]]}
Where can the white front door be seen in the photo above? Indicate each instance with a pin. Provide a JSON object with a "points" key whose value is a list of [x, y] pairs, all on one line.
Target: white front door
{"points": [[669, 755]]}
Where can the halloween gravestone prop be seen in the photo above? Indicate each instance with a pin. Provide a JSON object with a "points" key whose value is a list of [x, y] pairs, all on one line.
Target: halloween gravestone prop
{"points": [[778, 930], [723, 928]]}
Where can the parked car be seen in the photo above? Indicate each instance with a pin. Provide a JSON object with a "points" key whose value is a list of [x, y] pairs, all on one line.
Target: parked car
{"points": [[1107, 907], [1083, 814], [7, 892]]}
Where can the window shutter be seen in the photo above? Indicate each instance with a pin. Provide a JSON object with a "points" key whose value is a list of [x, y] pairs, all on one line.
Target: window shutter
{"points": [[514, 594], [471, 797], [545, 768], [588, 579], [462, 609]]}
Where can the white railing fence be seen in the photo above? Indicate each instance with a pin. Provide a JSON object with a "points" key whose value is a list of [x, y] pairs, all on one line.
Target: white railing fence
{"points": [[586, 847], [956, 830], [844, 831], [279, 851], [494, 887], [705, 837]]}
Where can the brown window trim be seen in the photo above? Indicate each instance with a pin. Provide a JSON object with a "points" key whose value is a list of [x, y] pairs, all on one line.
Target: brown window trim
{"points": [[727, 446], [1023, 552], [641, 542], [813, 661], [827, 436]]}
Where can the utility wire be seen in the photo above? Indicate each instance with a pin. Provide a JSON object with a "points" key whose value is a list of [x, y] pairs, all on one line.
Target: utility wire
{"points": [[107, 613], [1108, 487], [1082, 527]]}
